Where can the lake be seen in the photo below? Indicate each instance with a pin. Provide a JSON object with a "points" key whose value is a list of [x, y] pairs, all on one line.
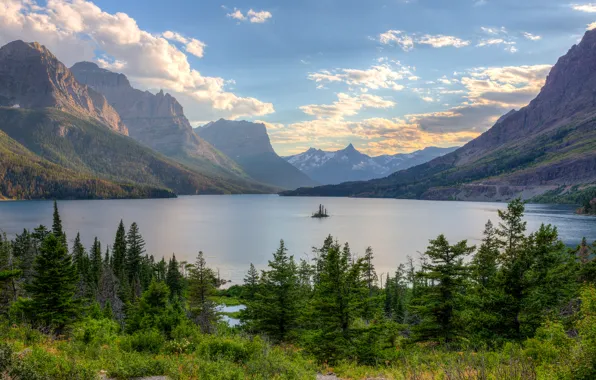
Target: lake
{"points": [[235, 230]]}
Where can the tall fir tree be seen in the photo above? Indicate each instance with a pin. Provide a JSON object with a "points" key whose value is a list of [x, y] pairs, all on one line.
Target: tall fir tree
{"points": [[174, 279], [134, 259], [57, 229], [95, 264], [54, 286], [275, 310], [201, 289], [251, 283], [119, 253], [81, 262], [440, 304]]}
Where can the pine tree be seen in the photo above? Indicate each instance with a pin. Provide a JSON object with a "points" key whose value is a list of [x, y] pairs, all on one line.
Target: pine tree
{"points": [[439, 305], [275, 311], [24, 251], [371, 304], [81, 262], [119, 253], [134, 257], [251, 283], [201, 288], [174, 279], [485, 262], [95, 264], [57, 229], [54, 285]]}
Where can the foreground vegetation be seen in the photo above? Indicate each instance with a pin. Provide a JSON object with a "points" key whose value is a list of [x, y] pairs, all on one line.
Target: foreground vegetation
{"points": [[520, 306]]}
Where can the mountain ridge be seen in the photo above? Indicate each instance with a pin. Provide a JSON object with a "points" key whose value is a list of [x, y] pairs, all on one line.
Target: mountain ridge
{"points": [[349, 164], [548, 145]]}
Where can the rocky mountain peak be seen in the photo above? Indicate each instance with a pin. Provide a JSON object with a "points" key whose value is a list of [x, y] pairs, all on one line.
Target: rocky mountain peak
{"points": [[32, 77]]}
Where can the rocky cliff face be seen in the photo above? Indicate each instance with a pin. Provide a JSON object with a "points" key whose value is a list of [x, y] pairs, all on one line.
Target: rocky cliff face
{"points": [[248, 144], [156, 120], [549, 144], [32, 77]]}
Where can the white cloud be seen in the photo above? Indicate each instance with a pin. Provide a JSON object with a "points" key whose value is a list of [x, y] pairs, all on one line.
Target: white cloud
{"points": [[440, 41], [588, 8], [493, 31], [255, 17], [397, 37], [379, 76], [427, 99], [258, 17], [75, 30], [237, 15], [531, 37], [509, 45], [346, 105], [407, 42], [591, 26]]}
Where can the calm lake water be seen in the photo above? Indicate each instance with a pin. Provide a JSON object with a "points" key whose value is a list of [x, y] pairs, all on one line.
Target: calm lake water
{"points": [[234, 231]]}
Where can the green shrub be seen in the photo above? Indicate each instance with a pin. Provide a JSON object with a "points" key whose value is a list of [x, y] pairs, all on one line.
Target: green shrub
{"points": [[131, 365], [98, 331], [224, 348], [143, 341]]}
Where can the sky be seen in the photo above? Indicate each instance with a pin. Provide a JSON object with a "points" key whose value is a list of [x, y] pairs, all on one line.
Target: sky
{"points": [[389, 76]]}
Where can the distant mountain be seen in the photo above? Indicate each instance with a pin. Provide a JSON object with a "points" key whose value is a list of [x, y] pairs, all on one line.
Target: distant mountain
{"points": [[158, 121], [31, 77], [248, 144], [547, 147], [349, 164], [62, 139]]}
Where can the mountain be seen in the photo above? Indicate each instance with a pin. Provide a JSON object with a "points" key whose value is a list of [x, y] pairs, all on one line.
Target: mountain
{"points": [[49, 120], [545, 148], [31, 77], [350, 165], [158, 121], [248, 144]]}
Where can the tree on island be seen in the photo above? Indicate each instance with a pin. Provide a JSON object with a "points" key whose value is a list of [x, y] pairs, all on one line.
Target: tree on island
{"points": [[321, 213]]}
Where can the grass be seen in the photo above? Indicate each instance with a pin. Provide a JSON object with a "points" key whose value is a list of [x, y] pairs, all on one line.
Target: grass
{"points": [[227, 301]]}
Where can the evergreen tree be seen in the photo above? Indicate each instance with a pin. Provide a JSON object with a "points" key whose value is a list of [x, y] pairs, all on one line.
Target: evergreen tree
{"points": [[275, 311], [161, 270], [201, 288], [174, 279], [81, 262], [336, 302], [8, 274], [95, 264], [134, 258], [251, 283], [119, 253], [439, 305], [371, 304], [24, 250], [57, 229], [54, 285]]}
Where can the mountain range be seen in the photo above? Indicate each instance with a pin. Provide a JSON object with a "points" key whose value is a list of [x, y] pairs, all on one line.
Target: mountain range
{"points": [[249, 146], [547, 148], [349, 164], [64, 139]]}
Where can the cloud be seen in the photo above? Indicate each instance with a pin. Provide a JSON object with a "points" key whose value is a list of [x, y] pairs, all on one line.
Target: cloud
{"points": [[192, 45], [376, 77], [255, 17], [509, 45], [406, 42], [531, 37], [440, 41], [591, 26], [237, 15], [397, 37], [79, 30], [588, 8], [346, 105], [493, 31], [258, 17]]}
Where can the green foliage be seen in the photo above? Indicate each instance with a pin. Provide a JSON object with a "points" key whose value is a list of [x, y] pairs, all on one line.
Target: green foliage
{"points": [[54, 285], [201, 289]]}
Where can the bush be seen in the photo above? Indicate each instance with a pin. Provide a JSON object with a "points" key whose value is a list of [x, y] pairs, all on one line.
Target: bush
{"points": [[134, 364], [143, 341], [98, 331], [224, 348]]}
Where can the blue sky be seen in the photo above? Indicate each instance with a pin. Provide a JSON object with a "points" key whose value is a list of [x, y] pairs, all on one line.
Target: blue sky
{"points": [[389, 76]]}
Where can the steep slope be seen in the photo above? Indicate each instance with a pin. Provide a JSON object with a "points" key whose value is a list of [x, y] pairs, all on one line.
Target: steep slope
{"points": [[24, 175], [351, 165], [32, 77], [548, 145], [248, 145], [157, 121], [91, 150]]}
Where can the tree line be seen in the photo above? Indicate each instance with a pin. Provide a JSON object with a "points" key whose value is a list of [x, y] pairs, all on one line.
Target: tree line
{"points": [[335, 306]]}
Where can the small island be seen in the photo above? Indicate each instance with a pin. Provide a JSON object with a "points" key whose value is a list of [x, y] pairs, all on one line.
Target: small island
{"points": [[321, 213]]}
